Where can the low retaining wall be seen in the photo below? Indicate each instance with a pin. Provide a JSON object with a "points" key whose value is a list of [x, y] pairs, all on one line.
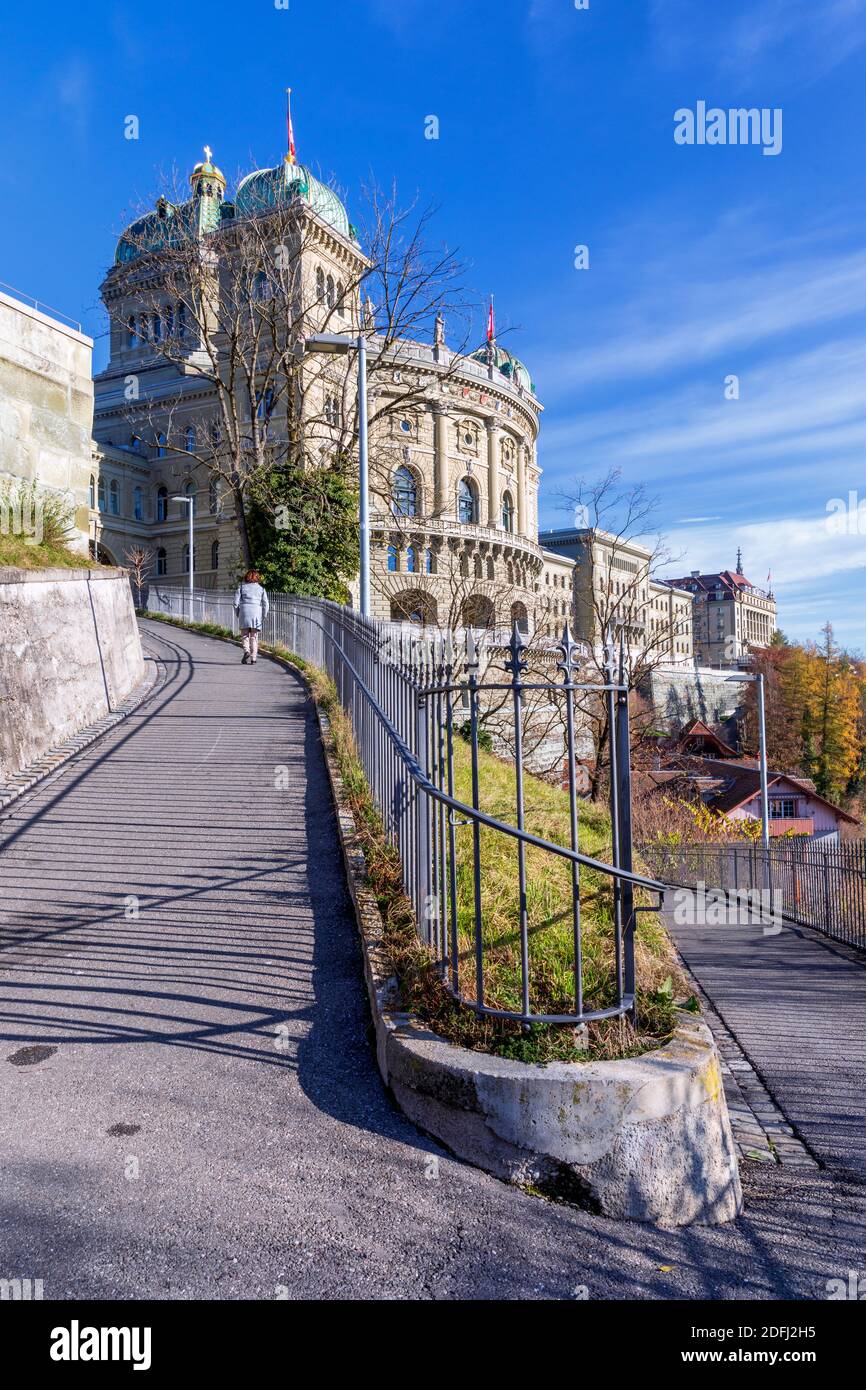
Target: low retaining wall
{"points": [[70, 653], [644, 1139]]}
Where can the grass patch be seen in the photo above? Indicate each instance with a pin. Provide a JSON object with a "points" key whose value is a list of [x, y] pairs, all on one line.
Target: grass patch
{"points": [[660, 982], [17, 554], [28, 509]]}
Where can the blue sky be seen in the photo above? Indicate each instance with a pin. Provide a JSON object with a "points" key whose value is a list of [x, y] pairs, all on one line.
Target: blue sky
{"points": [[556, 129]]}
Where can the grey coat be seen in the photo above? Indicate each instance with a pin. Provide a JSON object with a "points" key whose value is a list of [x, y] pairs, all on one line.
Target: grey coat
{"points": [[251, 605]]}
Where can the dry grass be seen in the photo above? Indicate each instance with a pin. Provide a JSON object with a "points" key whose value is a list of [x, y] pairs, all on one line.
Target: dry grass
{"points": [[17, 554], [25, 502]]}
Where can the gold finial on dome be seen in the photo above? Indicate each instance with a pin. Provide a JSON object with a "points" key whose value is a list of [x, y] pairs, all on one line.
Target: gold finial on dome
{"points": [[206, 169]]}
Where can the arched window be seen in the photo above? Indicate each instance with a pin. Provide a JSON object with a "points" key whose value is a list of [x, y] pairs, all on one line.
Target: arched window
{"points": [[330, 292], [507, 512], [520, 616], [429, 562], [410, 559], [213, 497], [216, 434], [156, 327], [215, 555], [189, 439], [131, 335], [467, 503], [404, 492], [161, 442], [114, 497], [162, 504], [260, 285], [138, 504], [190, 490], [393, 564], [135, 443], [479, 567], [92, 493], [341, 308], [477, 611], [161, 561], [491, 568], [168, 316], [413, 606], [181, 320], [142, 328], [320, 284], [186, 559]]}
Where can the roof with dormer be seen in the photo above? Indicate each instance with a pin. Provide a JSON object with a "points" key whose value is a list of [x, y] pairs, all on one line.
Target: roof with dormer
{"points": [[169, 224]]}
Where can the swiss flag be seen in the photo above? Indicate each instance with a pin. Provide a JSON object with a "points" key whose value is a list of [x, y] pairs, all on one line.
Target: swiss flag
{"points": [[290, 133]]}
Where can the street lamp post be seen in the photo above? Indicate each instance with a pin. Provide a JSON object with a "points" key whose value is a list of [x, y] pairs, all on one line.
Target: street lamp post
{"points": [[344, 343], [190, 502], [758, 679]]}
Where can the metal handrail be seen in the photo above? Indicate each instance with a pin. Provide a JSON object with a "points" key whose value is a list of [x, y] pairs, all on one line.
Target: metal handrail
{"points": [[42, 308], [491, 822]]}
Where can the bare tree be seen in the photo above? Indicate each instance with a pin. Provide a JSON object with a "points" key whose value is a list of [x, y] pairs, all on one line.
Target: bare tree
{"points": [[139, 559], [623, 554]]}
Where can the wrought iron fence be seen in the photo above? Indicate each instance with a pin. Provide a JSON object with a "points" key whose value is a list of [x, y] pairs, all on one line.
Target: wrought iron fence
{"points": [[818, 884], [414, 701]]}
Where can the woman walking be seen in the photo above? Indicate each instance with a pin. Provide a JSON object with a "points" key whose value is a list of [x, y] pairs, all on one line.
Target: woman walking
{"points": [[251, 606]]}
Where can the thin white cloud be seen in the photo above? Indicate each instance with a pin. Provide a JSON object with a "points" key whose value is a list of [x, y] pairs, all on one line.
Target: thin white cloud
{"points": [[684, 319], [798, 40]]}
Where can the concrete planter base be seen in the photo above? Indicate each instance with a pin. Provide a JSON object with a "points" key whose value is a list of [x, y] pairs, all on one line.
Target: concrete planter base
{"points": [[646, 1139]]}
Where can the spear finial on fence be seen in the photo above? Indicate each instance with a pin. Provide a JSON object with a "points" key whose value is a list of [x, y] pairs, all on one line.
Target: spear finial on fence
{"points": [[609, 655], [571, 653], [472, 662], [516, 663]]}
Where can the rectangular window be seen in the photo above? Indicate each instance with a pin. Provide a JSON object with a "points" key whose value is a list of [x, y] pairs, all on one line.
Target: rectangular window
{"points": [[783, 807]]}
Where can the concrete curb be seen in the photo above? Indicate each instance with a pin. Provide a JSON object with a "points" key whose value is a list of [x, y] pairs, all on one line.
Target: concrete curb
{"points": [[644, 1139]]}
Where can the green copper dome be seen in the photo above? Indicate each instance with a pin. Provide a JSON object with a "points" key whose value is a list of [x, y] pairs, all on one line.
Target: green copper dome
{"points": [[269, 188], [207, 210], [510, 367]]}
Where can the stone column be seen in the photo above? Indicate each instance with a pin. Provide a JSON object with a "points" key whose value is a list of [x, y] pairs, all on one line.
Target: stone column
{"points": [[493, 517], [521, 489], [440, 463]]}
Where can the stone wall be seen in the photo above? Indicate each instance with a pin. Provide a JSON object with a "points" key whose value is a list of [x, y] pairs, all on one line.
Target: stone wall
{"points": [[680, 694], [46, 406], [69, 654]]}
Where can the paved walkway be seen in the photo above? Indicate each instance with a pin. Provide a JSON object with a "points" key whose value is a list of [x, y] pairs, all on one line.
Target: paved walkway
{"points": [[796, 1004], [207, 1119]]}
